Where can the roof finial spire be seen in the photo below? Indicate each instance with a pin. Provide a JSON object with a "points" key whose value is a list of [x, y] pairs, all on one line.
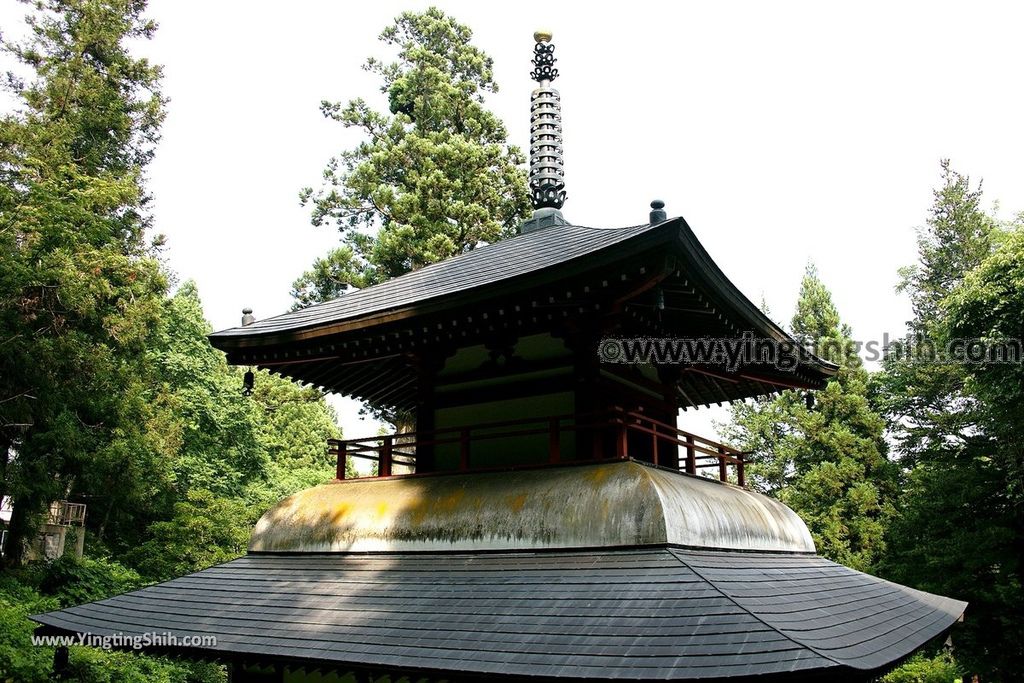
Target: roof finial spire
{"points": [[547, 176]]}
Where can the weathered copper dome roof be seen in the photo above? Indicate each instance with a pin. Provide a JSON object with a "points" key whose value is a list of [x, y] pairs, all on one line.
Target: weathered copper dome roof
{"points": [[585, 506]]}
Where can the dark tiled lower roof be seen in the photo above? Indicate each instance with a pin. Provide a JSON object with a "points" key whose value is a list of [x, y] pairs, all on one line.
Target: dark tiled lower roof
{"points": [[663, 613]]}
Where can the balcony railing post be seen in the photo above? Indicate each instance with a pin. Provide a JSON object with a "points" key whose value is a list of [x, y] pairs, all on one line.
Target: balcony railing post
{"points": [[723, 472], [464, 449], [554, 441], [654, 443], [621, 440], [340, 448], [384, 464], [691, 456]]}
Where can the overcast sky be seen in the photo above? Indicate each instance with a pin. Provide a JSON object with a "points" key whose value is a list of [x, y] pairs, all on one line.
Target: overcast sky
{"points": [[783, 132]]}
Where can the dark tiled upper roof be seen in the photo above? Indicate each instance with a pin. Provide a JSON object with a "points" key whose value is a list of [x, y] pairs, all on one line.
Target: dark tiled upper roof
{"points": [[663, 613], [485, 265]]}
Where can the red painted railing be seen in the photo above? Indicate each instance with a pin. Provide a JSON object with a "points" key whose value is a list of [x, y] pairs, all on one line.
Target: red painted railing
{"points": [[614, 435]]}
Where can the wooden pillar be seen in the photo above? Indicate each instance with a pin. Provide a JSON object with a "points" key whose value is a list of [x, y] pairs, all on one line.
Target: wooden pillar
{"points": [[61, 668], [591, 403], [426, 364], [621, 440], [341, 453], [669, 376], [384, 464], [723, 470], [691, 456], [655, 443]]}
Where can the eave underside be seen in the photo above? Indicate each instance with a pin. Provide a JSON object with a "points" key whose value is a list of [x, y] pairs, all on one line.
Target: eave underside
{"points": [[641, 613], [650, 294]]}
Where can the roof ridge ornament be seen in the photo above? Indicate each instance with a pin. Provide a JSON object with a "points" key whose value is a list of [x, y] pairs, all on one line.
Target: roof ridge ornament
{"points": [[547, 174]]}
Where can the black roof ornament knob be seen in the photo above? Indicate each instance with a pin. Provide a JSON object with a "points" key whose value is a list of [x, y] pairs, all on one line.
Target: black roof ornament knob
{"points": [[247, 317], [658, 211]]}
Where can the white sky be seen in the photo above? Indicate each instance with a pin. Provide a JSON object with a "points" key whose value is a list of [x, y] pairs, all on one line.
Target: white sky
{"points": [[783, 132]]}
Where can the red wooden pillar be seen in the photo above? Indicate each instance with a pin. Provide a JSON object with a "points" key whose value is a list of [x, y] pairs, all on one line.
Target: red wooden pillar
{"points": [[621, 439], [691, 456], [723, 472], [654, 442], [340, 451], [384, 466], [741, 479]]}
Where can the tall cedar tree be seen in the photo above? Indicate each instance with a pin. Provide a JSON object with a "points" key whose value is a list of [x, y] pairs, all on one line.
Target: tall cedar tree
{"points": [[957, 428], [79, 287], [434, 176], [827, 462]]}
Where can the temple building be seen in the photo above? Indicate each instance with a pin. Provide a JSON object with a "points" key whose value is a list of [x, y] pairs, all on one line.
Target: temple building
{"points": [[545, 518]]}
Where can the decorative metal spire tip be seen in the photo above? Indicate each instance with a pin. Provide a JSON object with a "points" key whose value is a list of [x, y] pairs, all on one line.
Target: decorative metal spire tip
{"points": [[547, 176], [543, 58]]}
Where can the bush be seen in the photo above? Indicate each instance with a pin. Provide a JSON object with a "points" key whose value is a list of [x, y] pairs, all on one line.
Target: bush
{"points": [[941, 668], [205, 530], [88, 665], [19, 661], [43, 587], [74, 582]]}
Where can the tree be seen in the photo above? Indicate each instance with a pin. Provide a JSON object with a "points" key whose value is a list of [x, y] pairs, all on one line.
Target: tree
{"points": [[988, 305], [80, 287], [828, 462], [959, 531], [329, 278], [205, 438], [924, 402], [434, 176]]}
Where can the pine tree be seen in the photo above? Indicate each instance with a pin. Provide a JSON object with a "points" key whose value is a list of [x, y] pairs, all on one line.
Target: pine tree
{"points": [[434, 176], [924, 402], [329, 278], [828, 461]]}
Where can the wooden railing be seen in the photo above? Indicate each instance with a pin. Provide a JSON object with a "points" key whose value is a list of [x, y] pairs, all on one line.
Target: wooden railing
{"points": [[621, 433]]}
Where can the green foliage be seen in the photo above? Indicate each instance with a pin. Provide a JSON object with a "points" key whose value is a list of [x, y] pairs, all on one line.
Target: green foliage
{"points": [[43, 587], [206, 438], [827, 462], [941, 668], [205, 530], [74, 582], [989, 306], [957, 427], [925, 402], [20, 662], [80, 287], [434, 176], [88, 665], [109, 391], [216, 427], [958, 236], [329, 278], [295, 424]]}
